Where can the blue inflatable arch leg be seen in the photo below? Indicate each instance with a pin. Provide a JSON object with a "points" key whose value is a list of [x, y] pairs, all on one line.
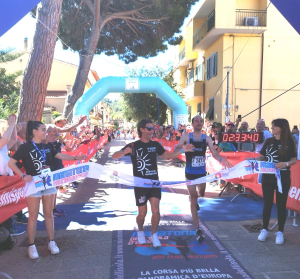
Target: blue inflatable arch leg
{"points": [[154, 85]]}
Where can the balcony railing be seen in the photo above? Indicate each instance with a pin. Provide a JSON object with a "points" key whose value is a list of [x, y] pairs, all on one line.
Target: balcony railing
{"points": [[182, 54], [251, 18], [205, 28]]}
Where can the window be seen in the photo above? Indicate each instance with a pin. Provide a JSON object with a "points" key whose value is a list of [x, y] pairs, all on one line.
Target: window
{"points": [[190, 113], [200, 72], [210, 112], [212, 66], [199, 108], [191, 76]]}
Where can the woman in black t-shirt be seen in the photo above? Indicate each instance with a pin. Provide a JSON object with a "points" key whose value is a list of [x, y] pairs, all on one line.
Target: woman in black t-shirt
{"points": [[37, 159], [280, 150]]}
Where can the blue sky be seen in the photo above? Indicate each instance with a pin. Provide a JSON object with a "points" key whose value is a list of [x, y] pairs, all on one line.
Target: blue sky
{"points": [[104, 65]]}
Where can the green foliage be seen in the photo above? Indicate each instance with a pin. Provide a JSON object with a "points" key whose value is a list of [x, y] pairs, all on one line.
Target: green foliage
{"points": [[140, 105], [117, 109], [9, 104], [9, 88], [7, 55], [56, 114], [145, 31], [107, 102]]}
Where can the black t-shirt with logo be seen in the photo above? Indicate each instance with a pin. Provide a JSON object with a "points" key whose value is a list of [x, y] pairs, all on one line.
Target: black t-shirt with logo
{"points": [[144, 158], [270, 150], [32, 159]]}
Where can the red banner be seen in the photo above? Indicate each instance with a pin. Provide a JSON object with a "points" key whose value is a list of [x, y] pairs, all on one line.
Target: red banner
{"points": [[249, 181], [12, 193]]}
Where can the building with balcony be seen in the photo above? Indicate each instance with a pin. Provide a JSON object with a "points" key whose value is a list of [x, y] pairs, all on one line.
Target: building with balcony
{"points": [[62, 77], [260, 44]]}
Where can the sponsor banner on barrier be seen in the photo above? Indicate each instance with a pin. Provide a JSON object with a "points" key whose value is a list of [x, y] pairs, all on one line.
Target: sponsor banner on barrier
{"points": [[12, 188], [251, 181]]}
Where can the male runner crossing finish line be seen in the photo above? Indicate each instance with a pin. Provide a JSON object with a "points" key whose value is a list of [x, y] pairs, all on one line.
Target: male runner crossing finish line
{"points": [[195, 165], [144, 161]]}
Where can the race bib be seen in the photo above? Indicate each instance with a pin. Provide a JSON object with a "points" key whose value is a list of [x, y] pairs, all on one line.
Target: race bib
{"points": [[198, 161], [45, 171]]}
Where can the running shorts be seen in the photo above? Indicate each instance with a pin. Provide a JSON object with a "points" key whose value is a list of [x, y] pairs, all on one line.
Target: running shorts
{"points": [[142, 195]]}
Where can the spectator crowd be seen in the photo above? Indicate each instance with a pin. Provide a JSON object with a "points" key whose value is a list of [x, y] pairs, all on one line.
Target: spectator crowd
{"points": [[61, 135]]}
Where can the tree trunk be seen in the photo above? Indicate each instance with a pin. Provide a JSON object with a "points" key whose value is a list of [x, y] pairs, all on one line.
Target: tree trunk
{"points": [[85, 61], [78, 87], [37, 73]]}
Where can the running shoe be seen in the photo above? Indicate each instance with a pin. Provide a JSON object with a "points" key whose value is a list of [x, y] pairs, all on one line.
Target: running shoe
{"points": [[155, 240], [200, 236], [58, 212], [32, 252], [263, 235], [22, 220], [279, 238], [14, 231], [53, 247], [141, 237]]}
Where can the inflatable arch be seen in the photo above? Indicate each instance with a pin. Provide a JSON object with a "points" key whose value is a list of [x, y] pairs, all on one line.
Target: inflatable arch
{"points": [[154, 85]]}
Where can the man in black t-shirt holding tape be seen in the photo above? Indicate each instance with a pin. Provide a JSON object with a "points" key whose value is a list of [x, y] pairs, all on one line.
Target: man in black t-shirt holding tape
{"points": [[144, 161]]}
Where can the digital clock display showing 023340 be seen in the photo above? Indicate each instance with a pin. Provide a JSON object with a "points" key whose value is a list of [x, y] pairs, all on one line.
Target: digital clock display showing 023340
{"points": [[256, 137]]}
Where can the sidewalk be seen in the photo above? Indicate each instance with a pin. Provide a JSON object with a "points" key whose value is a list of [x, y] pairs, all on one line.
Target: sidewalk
{"points": [[97, 209]]}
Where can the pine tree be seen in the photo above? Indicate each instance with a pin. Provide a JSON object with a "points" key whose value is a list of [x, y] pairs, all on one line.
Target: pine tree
{"points": [[129, 29]]}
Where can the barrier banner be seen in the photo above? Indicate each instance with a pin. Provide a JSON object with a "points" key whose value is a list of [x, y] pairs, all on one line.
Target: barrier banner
{"points": [[89, 149], [12, 188], [170, 146], [251, 181], [12, 196]]}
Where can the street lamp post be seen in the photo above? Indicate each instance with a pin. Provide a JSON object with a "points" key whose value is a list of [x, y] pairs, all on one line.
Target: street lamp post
{"points": [[227, 93], [158, 104]]}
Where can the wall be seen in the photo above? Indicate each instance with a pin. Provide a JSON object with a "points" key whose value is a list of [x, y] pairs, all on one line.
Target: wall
{"points": [[246, 74], [197, 23], [281, 69], [225, 19], [58, 103], [189, 53], [250, 4], [194, 105]]}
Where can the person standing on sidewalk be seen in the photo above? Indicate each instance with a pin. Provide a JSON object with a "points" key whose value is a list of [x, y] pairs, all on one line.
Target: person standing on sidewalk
{"points": [[195, 165], [144, 160], [280, 150], [38, 158]]}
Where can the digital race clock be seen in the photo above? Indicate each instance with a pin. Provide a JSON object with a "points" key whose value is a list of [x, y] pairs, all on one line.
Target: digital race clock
{"points": [[257, 137]]}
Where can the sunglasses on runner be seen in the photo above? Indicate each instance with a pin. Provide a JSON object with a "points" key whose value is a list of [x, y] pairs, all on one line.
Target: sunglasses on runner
{"points": [[149, 128]]}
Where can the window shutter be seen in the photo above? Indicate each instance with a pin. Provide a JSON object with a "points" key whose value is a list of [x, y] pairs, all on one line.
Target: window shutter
{"points": [[199, 108], [215, 64], [208, 69]]}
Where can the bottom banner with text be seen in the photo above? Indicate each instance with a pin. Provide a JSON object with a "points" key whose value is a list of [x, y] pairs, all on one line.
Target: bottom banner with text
{"points": [[180, 256]]}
